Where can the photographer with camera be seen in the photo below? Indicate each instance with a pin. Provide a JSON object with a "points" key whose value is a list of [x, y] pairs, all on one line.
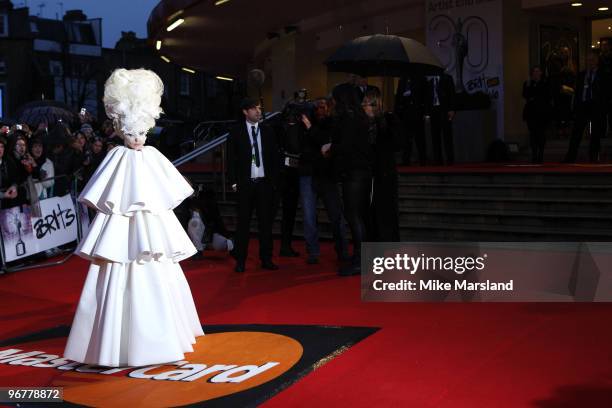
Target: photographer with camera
{"points": [[290, 143]]}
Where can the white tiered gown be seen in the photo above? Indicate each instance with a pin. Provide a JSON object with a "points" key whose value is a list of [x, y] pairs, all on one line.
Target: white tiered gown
{"points": [[136, 307]]}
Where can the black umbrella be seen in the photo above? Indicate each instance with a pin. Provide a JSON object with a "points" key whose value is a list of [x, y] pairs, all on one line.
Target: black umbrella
{"points": [[45, 111], [384, 55]]}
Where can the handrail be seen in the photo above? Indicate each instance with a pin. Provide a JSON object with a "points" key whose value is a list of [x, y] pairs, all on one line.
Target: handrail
{"points": [[210, 145]]}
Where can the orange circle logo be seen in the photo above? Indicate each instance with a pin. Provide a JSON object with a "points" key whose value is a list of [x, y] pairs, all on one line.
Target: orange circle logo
{"points": [[221, 364]]}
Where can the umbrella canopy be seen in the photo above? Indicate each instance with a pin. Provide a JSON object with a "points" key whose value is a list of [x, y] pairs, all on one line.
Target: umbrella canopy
{"points": [[45, 111], [384, 55]]}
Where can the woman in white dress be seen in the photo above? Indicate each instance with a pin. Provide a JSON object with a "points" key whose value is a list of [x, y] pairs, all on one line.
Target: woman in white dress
{"points": [[136, 307]]}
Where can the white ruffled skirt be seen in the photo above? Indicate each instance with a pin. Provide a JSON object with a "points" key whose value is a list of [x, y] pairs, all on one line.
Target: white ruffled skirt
{"points": [[133, 314]]}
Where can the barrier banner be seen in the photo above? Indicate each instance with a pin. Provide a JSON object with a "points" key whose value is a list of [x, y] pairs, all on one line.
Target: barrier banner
{"points": [[24, 235]]}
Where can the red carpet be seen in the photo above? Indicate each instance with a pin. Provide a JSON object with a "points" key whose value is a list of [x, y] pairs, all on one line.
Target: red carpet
{"points": [[425, 355]]}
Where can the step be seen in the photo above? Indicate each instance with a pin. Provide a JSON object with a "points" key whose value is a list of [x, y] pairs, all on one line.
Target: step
{"points": [[507, 190]]}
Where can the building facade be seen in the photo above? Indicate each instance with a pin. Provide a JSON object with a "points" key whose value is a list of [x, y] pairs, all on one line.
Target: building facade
{"points": [[501, 41]]}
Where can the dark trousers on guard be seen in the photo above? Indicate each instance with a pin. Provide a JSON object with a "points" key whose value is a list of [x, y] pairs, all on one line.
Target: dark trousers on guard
{"points": [[587, 114], [255, 195], [414, 129], [537, 139], [442, 134]]}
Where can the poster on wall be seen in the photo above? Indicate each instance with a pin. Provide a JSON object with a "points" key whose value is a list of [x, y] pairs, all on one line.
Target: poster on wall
{"points": [[24, 235], [466, 36]]}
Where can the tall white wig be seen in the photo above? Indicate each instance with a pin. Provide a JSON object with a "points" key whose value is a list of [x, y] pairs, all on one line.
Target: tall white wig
{"points": [[132, 98]]}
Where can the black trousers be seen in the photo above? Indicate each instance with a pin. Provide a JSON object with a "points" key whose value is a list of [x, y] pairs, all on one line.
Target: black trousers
{"points": [[442, 133], [537, 139], [384, 211], [585, 114], [254, 195], [327, 189], [356, 188], [290, 194], [414, 129]]}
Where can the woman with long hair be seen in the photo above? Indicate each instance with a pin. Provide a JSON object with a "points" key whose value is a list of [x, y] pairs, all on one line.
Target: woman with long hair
{"points": [[385, 141], [44, 178]]}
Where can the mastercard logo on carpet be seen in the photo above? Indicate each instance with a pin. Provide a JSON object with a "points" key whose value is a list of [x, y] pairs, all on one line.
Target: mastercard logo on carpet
{"points": [[233, 365]]}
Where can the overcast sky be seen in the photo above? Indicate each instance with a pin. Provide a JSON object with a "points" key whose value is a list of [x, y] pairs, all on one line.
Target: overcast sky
{"points": [[117, 15]]}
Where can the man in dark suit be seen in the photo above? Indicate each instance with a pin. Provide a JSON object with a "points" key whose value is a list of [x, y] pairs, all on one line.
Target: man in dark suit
{"points": [[363, 88], [591, 105], [254, 172], [440, 106], [409, 107]]}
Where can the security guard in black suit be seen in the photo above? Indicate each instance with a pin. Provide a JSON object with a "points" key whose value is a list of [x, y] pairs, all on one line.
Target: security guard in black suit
{"points": [[254, 172]]}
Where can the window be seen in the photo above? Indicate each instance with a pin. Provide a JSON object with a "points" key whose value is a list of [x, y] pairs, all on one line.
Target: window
{"points": [[2, 97], [82, 33], [4, 26], [55, 68], [2, 66], [185, 85]]}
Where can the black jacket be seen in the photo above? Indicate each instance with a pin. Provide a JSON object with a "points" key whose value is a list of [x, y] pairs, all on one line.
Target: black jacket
{"points": [[538, 97], [351, 148], [239, 153], [410, 98], [389, 140], [321, 134], [446, 93], [601, 91]]}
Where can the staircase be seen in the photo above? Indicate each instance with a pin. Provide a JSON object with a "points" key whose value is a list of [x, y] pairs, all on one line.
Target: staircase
{"points": [[522, 206]]}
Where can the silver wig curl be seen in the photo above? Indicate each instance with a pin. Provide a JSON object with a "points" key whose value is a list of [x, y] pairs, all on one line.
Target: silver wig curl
{"points": [[132, 98]]}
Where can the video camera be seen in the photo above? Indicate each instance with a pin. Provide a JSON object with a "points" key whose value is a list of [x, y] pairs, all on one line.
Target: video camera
{"points": [[300, 105]]}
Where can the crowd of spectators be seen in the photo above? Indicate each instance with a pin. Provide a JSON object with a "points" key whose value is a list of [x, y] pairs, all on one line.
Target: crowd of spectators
{"points": [[46, 160]]}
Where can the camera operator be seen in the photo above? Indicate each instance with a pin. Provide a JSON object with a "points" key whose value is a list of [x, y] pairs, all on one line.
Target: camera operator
{"points": [[290, 143]]}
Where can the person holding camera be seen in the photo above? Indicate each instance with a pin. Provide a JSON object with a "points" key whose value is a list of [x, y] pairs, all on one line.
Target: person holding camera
{"points": [[290, 142], [44, 178]]}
